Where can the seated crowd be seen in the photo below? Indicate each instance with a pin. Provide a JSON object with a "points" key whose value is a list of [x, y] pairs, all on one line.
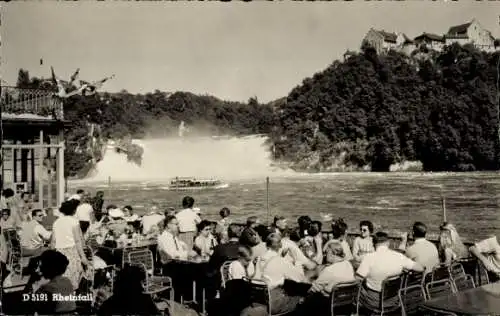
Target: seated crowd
{"points": [[300, 265]]}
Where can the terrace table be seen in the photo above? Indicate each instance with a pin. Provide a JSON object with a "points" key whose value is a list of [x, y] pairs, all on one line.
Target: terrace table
{"points": [[183, 272], [484, 300]]}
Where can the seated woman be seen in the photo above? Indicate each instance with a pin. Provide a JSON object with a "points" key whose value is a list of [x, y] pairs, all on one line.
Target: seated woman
{"points": [[205, 242], [450, 244], [251, 239], [363, 244], [128, 297], [53, 266]]}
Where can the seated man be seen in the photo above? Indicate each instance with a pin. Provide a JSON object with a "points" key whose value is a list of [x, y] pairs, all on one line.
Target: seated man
{"points": [[274, 270], [169, 245], [378, 266], [339, 270], [34, 236], [422, 251], [488, 252]]}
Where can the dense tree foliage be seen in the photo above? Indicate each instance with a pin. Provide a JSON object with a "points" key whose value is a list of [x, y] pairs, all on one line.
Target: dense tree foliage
{"points": [[436, 107], [122, 116]]}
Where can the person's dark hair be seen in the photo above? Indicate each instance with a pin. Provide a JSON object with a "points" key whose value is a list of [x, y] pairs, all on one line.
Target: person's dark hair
{"points": [[35, 212], [304, 222], [6, 210], [110, 207], [224, 212], [69, 207], [99, 194], [129, 281], [53, 264], [80, 191], [249, 237], [7, 193], [244, 252], [252, 220], [338, 228], [278, 218], [367, 224], [419, 230], [272, 238], [203, 224], [294, 235], [187, 202], [262, 231], [168, 219], [233, 231], [380, 238], [315, 228], [128, 207]]}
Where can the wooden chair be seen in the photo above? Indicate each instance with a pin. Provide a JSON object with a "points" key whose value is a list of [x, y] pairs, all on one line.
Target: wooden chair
{"points": [[390, 290], [224, 273], [438, 288], [154, 284], [463, 282], [411, 298], [344, 295]]}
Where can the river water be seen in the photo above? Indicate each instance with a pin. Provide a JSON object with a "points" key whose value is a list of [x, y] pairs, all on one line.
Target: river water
{"points": [[392, 201]]}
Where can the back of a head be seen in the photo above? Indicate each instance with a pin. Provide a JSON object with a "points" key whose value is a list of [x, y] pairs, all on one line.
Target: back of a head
{"points": [[419, 230], [245, 252], [338, 229], [252, 220], [7, 193], [249, 237], [53, 264], [129, 281], [233, 231], [273, 241], [315, 228], [35, 212], [187, 202], [262, 231], [336, 249], [381, 238], [69, 207], [304, 222], [80, 191], [224, 212], [294, 235]]}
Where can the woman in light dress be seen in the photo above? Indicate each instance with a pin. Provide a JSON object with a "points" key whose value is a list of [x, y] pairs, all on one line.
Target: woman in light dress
{"points": [[67, 238], [451, 246]]}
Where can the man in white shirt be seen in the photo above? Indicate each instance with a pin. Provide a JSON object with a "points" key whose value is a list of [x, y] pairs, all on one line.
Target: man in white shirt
{"points": [[188, 221], [422, 251], [273, 269], [380, 265], [34, 235], [291, 252], [169, 245], [488, 252], [85, 213]]}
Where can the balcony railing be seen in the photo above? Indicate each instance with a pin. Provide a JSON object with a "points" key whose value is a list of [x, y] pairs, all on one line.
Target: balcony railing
{"points": [[20, 101]]}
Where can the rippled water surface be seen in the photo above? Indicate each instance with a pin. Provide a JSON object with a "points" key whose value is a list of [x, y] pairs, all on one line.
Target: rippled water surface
{"points": [[393, 201]]}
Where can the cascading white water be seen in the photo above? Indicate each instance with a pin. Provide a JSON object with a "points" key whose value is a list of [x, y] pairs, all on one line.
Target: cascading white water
{"points": [[202, 157]]}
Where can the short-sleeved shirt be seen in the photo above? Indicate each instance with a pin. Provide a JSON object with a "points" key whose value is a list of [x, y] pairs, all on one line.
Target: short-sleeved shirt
{"points": [[188, 220], [491, 250], [424, 252], [381, 264], [84, 212]]}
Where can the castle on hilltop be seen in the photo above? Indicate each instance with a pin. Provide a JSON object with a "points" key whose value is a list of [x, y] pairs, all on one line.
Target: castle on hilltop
{"points": [[468, 33]]}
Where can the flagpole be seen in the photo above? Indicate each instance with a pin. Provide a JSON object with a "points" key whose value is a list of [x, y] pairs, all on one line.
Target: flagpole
{"points": [[267, 199]]}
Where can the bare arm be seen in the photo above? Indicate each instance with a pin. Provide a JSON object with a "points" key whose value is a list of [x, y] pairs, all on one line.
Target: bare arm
{"points": [[481, 258], [77, 235]]}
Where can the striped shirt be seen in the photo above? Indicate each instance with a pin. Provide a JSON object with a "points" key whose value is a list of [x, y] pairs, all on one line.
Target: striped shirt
{"points": [[361, 247]]}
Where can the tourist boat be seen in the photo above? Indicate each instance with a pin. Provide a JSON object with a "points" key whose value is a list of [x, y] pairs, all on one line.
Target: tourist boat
{"points": [[196, 184]]}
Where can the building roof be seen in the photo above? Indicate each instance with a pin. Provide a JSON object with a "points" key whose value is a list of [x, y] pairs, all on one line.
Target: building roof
{"points": [[388, 37], [430, 36], [458, 31]]}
